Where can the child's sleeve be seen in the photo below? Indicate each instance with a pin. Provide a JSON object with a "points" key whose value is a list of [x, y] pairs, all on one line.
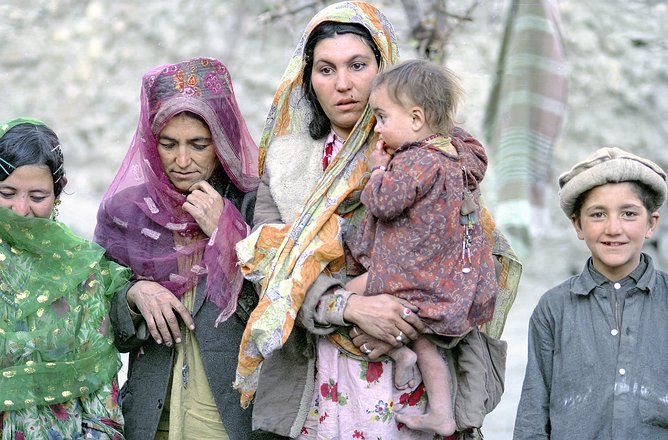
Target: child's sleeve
{"points": [[533, 412], [408, 178]]}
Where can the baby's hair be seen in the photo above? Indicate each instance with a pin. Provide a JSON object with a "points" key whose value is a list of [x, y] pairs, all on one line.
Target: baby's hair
{"points": [[33, 144], [434, 88]]}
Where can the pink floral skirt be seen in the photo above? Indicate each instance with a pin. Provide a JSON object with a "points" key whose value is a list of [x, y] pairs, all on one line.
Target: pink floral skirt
{"points": [[355, 399]]}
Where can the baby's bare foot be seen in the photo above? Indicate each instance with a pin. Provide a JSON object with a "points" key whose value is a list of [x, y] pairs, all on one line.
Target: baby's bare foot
{"points": [[405, 368], [441, 424]]}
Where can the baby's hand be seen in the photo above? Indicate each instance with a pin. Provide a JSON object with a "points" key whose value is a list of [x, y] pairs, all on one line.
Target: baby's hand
{"points": [[379, 156]]}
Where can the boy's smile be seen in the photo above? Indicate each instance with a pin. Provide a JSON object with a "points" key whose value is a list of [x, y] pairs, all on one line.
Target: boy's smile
{"points": [[614, 224]]}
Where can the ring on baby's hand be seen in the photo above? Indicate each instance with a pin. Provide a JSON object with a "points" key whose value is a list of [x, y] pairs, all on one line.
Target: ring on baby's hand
{"points": [[400, 337], [365, 349], [406, 312]]}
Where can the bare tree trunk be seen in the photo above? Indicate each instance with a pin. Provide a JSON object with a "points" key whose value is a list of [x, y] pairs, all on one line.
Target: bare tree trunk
{"points": [[431, 25]]}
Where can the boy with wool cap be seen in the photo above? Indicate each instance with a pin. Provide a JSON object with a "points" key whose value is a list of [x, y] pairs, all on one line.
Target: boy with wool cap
{"points": [[598, 357]]}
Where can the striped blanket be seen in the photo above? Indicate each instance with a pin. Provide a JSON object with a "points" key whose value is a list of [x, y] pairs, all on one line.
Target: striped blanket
{"points": [[524, 115]]}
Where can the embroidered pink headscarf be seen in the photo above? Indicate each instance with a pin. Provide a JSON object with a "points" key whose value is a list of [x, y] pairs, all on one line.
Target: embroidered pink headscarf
{"points": [[141, 212]]}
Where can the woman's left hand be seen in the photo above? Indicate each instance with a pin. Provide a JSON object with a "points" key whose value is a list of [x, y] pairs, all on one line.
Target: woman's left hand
{"points": [[384, 317], [373, 348], [205, 205]]}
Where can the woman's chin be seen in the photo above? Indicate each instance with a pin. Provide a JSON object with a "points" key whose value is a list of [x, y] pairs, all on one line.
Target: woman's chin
{"points": [[183, 185]]}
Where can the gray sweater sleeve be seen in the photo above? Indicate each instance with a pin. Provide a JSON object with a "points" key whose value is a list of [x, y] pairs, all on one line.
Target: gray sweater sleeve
{"points": [[266, 210], [533, 413], [129, 328], [314, 314]]}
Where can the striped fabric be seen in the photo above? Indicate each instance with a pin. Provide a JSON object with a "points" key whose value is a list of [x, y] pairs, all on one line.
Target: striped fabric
{"points": [[525, 113]]}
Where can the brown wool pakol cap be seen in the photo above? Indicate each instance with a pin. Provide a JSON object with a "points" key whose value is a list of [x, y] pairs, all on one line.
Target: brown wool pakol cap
{"points": [[610, 165]]}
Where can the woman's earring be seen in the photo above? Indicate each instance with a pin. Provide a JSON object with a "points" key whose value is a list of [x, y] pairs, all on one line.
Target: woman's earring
{"points": [[54, 211]]}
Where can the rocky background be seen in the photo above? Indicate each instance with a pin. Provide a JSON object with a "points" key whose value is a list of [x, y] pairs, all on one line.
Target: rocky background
{"points": [[77, 65]]}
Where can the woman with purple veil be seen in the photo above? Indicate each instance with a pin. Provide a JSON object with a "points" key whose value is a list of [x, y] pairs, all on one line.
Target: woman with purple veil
{"points": [[179, 202]]}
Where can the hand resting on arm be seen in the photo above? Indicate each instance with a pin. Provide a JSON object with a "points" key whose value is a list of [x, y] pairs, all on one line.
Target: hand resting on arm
{"points": [[379, 320], [158, 306]]}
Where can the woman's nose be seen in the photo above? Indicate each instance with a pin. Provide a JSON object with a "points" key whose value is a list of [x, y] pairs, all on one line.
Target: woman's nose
{"points": [[21, 206], [343, 82], [182, 157]]}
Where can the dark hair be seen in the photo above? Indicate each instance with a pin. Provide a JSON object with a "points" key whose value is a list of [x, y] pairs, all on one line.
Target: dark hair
{"points": [[434, 88], [33, 144], [192, 115], [644, 192], [229, 125], [320, 125]]}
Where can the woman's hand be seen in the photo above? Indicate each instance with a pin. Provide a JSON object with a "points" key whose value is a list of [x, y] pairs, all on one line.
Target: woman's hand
{"points": [[157, 305], [384, 317], [205, 205], [373, 348]]}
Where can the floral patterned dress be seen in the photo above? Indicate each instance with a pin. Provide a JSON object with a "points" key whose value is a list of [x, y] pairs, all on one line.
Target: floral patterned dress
{"points": [[74, 419], [368, 412]]}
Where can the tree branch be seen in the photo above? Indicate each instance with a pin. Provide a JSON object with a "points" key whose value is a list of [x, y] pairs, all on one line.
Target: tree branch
{"points": [[283, 11]]}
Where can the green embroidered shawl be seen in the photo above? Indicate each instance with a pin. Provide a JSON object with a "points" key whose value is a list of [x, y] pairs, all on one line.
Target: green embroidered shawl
{"points": [[56, 342]]}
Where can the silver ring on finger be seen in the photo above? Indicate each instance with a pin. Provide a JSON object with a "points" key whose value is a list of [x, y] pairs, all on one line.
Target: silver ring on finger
{"points": [[365, 349], [355, 334], [406, 312], [400, 337]]}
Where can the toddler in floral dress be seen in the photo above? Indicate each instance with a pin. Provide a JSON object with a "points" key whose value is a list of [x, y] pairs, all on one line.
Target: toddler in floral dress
{"points": [[421, 239]]}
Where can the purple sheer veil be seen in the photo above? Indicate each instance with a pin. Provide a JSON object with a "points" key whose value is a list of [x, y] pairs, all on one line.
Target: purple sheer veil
{"points": [[140, 220]]}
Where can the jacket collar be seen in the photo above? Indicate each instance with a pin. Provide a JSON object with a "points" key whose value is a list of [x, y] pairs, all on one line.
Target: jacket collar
{"points": [[584, 283]]}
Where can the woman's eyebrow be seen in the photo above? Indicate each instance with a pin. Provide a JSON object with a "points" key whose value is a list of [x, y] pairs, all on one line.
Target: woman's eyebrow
{"points": [[195, 139], [354, 57]]}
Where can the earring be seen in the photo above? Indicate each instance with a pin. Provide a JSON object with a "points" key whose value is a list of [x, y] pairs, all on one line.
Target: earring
{"points": [[54, 210]]}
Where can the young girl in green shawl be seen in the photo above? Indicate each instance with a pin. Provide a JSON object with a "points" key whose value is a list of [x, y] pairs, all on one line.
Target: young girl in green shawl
{"points": [[57, 359]]}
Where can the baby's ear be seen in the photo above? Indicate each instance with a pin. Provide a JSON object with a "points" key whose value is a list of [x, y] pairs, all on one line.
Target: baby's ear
{"points": [[419, 119]]}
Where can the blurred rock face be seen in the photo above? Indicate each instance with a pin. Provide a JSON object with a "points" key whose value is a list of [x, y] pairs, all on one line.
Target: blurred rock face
{"points": [[78, 65]]}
